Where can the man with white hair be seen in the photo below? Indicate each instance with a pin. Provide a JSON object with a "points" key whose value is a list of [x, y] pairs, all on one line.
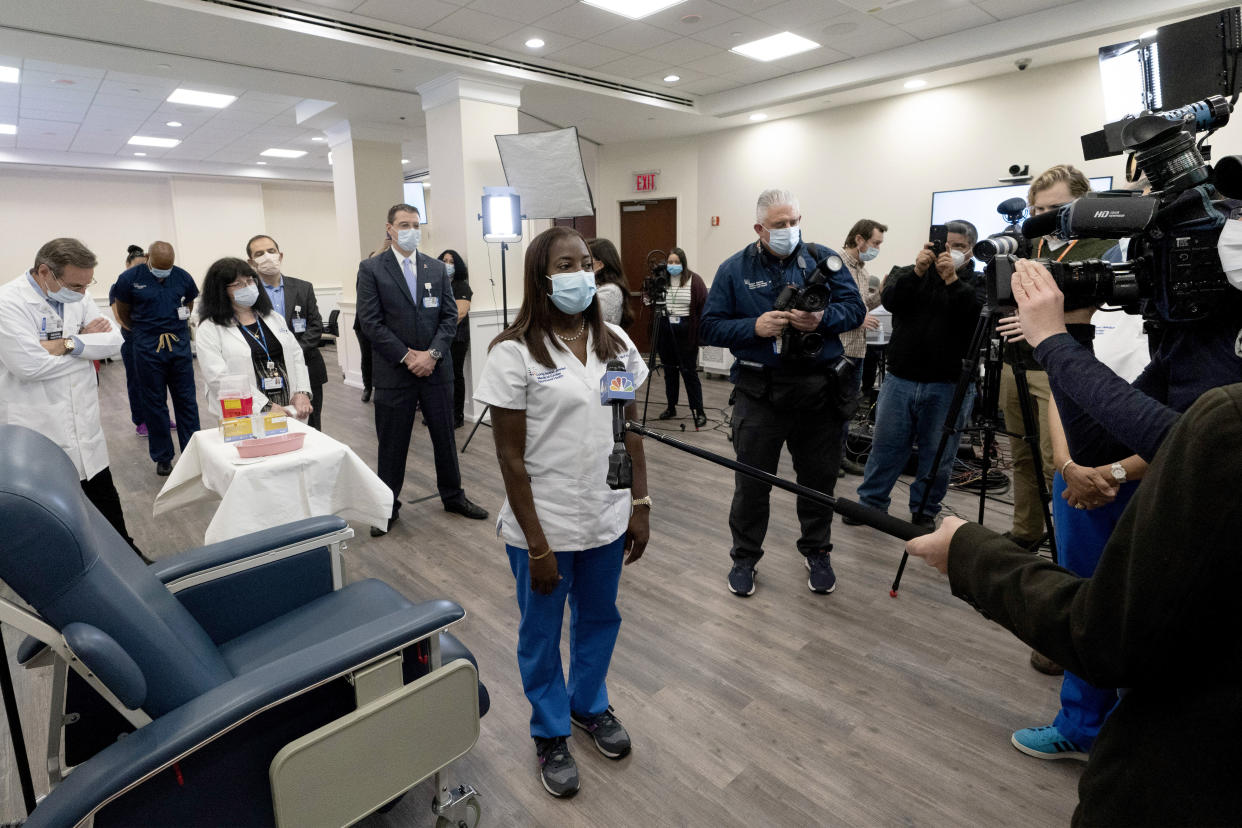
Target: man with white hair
{"points": [[784, 395]]}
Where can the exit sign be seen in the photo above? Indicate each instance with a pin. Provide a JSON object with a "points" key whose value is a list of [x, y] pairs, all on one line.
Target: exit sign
{"points": [[645, 182]]}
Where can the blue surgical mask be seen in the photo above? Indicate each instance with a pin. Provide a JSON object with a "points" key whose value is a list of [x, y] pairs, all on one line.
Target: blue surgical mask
{"points": [[674, 270], [247, 296], [409, 238], [66, 296], [869, 254], [783, 240], [450, 269], [572, 292], [160, 274]]}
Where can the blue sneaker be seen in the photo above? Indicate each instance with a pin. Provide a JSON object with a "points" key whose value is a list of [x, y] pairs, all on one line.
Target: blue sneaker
{"points": [[1046, 743], [822, 580], [742, 579]]}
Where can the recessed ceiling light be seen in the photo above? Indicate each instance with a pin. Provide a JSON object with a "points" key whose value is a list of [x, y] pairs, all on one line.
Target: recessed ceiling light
{"points": [[534, 43], [759, 116], [1148, 34], [672, 78], [633, 9], [148, 141], [691, 19], [916, 83], [193, 97], [8, 129], [775, 47], [173, 124], [277, 152], [141, 154], [318, 138], [261, 163], [9, 74]]}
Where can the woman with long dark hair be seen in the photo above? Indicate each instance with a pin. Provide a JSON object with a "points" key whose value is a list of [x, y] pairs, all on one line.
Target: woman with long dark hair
{"points": [[460, 276], [566, 532], [614, 290], [679, 336]]}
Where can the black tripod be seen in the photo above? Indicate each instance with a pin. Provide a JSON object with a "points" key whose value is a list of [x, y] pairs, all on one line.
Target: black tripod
{"points": [[985, 347], [659, 312], [504, 311]]}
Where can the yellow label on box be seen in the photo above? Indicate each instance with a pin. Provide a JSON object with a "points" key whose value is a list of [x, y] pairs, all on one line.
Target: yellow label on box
{"points": [[236, 428], [231, 408], [274, 422]]}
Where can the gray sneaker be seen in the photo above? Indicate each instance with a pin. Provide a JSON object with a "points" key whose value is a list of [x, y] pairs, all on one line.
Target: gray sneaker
{"points": [[557, 768], [610, 737]]}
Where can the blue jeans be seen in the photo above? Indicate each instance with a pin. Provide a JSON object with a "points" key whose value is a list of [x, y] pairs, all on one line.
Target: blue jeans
{"points": [[912, 413], [589, 579], [1081, 536]]}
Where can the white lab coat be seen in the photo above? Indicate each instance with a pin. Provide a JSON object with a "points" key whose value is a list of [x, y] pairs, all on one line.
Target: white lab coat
{"points": [[54, 395], [223, 351]]}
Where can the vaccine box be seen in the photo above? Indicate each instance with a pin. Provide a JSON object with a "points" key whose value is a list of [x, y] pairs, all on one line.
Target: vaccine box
{"points": [[233, 429], [275, 421]]}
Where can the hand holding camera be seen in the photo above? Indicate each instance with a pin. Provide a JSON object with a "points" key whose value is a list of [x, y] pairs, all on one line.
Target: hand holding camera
{"points": [[1040, 301], [771, 324]]}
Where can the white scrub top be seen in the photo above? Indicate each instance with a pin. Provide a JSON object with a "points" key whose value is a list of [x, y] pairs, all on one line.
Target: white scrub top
{"points": [[568, 441]]}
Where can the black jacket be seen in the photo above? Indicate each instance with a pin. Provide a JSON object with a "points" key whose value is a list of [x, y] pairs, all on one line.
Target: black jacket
{"points": [[394, 321], [1160, 616], [300, 301], [932, 322]]}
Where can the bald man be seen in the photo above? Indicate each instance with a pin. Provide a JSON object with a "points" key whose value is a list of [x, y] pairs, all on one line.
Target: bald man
{"points": [[153, 302]]}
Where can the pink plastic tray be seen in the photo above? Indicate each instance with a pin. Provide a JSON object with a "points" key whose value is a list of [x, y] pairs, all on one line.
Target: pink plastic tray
{"points": [[276, 444]]}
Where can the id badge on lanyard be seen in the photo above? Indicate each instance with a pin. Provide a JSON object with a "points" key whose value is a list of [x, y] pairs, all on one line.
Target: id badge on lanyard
{"points": [[272, 380], [299, 321]]}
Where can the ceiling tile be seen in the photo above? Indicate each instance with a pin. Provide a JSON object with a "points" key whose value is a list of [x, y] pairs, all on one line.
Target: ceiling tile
{"points": [[524, 11], [420, 15], [8, 142], [918, 10], [801, 13], [581, 21], [634, 37], [97, 142], [948, 22], [687, 76], [516, 42], [156, 94], [682, 51], [1006, 9], [709, 85], [71, 114], [59, 69], [748, 6], [859, 34], [475, 27], [631, 66], [709, 14], [159, 82], [586, 55], [740, 30], [720, 63], [341, 5], [130, 102]]}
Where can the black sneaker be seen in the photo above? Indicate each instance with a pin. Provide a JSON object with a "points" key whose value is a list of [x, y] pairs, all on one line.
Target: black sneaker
{"points": [[742, 579], [925, 520], [822, 580], [557, 768], [610, 737]]}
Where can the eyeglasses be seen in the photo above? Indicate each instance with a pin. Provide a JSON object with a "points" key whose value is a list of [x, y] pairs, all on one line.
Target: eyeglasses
{"points": [[76, 288], [242, 281]]}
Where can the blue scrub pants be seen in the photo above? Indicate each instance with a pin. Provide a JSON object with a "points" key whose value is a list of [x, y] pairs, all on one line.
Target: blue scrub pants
{"points": [[157, 372], [1081, 536], [590, 579], [912, 413], [132, 388]]}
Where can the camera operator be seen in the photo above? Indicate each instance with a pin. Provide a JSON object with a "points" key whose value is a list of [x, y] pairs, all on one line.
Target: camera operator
{"points": [[862, 245], [1051, 189], [935, 308], [780, 399]]}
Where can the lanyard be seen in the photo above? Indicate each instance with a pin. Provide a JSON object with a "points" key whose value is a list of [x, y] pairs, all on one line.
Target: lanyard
{"points": [[1040, 252], [262, 342]]}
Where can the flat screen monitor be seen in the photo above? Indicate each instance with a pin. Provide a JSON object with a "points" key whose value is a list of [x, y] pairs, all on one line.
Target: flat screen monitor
{"points": [[416, 197], [978, 206]]}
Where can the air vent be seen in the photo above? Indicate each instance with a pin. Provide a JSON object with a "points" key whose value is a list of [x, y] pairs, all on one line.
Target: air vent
{"points": [[423, 44]]}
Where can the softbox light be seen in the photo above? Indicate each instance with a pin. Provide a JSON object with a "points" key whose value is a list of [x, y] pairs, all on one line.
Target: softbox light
{"points": [[546, 169]]}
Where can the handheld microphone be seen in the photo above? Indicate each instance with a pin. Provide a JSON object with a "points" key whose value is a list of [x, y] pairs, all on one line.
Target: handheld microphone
{"points": [[616, 388]]}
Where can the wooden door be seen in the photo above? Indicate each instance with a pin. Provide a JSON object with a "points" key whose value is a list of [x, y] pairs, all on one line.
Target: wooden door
{"points": [[646, 225], [583, 224]]}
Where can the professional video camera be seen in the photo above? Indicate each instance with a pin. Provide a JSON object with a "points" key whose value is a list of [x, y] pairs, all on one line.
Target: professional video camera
{"points": [[655, 286], [811, 297]]}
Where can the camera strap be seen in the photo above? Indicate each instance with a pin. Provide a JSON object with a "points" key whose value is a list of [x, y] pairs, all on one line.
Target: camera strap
{"points": [[1039, 253]]}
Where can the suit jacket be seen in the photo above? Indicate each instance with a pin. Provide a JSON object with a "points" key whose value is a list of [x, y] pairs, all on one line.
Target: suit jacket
{"points": [[394, 321], [299, 293]]}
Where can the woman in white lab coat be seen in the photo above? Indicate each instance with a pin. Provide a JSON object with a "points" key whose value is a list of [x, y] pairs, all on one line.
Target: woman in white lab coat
{"points": [[566, 532], [239, 334], [50, 332]]}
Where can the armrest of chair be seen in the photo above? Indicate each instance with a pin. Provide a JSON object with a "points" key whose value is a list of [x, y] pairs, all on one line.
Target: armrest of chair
{"points": [[236, 585], [191, 726]]}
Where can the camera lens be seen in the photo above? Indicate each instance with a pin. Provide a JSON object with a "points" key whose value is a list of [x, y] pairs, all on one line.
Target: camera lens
{"points": [[990, 248], [814, 299]]}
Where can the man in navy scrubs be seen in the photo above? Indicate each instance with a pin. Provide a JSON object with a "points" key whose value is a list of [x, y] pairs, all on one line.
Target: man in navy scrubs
{"points": [[153, 301]]}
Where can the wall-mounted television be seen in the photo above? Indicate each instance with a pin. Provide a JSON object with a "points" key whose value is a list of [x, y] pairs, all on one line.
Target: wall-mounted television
{"points": [[415, 196]]}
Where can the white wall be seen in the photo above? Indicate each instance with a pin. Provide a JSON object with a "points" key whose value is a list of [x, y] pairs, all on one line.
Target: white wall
{"points": [[879, 160]]}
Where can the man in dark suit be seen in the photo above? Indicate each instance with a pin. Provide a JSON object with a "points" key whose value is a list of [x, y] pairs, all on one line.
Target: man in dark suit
{"points": [[294, 299], [405, 303]]}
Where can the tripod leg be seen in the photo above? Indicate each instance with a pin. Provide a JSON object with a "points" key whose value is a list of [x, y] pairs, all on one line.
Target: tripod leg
{"points": [[1030, 424], [658, 310], [477, 423]]}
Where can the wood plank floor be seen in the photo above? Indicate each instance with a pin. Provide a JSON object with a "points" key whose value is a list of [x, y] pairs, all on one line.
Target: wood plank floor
{"points": [[787, 708]]}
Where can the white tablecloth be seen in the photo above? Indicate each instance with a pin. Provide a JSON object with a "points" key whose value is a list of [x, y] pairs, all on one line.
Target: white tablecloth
{"points": [[324, 477]]}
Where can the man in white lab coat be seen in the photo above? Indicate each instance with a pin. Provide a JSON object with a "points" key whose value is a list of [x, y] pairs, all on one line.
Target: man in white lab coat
{"points": [[50, 331]]}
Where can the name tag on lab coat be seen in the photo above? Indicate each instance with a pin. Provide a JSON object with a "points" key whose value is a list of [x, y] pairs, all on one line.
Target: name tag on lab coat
{"points": [[183, 312], [273, 383], [299, 325]]}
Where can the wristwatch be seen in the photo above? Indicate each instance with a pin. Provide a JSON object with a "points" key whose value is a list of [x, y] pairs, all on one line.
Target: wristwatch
{"points": [[69, 345], [436, 355], [1119, 472], [641, 501]]}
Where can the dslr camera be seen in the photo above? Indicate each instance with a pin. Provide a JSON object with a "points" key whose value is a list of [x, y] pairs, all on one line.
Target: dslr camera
{"points": [[655, 286], [811, 297]]}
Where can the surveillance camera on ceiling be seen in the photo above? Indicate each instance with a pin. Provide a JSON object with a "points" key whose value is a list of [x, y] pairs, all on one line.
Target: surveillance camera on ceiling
{"points": [[1022, 64]]}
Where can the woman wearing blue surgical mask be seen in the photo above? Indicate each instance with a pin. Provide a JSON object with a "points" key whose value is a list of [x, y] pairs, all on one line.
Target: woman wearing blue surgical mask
{"points": [[567, 534], [678, 338], [240, 334], [610, 281]]}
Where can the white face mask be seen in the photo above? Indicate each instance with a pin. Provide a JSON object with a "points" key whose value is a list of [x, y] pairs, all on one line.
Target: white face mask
{"points": [[409, 238], [268, 264], [1229, 248], [959, 258], [783, 240]]}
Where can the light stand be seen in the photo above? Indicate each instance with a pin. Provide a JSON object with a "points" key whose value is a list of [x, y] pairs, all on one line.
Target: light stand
{"points": [[502, 222]]}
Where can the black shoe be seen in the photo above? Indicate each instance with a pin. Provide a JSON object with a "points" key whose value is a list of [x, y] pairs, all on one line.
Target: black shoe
{"points": [[557, 768], [850, 467], [700, 419], [1045, 665], [849, 521], [742, 579], [926, 520], [366, 394], [822, 579], [163, 468], [466, 509], [610, 737], [377, 532], [668, 413]]}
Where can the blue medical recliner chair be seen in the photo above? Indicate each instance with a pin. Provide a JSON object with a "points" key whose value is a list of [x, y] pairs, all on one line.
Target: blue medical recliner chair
{"points": [[236, 684]]}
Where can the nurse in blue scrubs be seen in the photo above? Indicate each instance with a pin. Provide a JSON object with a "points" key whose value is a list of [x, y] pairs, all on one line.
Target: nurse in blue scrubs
{"points": [[153, 301]]}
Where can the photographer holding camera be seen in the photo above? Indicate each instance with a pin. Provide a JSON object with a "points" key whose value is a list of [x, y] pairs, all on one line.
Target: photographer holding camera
{"points": [[935, 308], [784, 396]]}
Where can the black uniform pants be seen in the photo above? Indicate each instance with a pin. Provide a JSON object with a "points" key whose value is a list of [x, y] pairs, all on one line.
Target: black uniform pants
{"points": [[812, 431], [395, 410], [365, 345], [459, 351], [101, 492], [680, 355], [316, 418]]}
